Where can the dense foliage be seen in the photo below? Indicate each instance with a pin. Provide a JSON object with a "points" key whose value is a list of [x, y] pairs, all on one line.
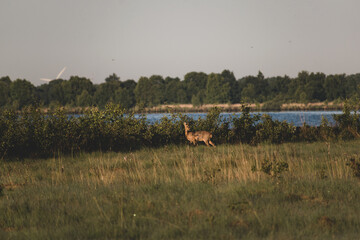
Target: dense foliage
{"points": [[36, 134], [197, 88]]}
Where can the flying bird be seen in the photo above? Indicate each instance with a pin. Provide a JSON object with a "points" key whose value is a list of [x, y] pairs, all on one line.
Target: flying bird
{"points": [[48, 79]]}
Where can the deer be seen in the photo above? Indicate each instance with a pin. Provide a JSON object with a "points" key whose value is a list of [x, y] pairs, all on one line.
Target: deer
{"points": [[197, 136]]}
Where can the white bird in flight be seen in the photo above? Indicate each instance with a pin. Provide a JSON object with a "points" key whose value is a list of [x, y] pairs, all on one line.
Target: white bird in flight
{"points": [[48, 79]]}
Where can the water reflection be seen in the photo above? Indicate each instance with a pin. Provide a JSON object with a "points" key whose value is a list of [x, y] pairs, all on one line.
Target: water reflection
{"points": [[312, 118]]}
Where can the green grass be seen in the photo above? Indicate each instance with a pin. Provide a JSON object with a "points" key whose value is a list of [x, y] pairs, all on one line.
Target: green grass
{"points": [[184, 192]]}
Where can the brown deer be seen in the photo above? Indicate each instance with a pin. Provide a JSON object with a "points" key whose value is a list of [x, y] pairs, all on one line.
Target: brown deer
{"points": [[194, 137]]}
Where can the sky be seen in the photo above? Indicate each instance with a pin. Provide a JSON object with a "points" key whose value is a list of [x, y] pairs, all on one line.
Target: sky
{"points": [[134, 38]]}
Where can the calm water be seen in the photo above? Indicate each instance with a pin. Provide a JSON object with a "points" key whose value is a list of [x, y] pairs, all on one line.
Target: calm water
{"points": [[312, 118]]}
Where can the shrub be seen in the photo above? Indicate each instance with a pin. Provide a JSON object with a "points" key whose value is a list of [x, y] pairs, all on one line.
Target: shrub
{"points": [[272, 167], [33, 133], [348, 124], [327, 133], [307, 133], [167, 131], [274, 131], [355, 167], [244, 127]]}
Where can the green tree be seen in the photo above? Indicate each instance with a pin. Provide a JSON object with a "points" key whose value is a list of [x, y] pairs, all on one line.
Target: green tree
{"points": [[298, 86], [52, 92], [142, 93], [193, 83], [254, 88], [124, 97], [5, 83], [112, 78], [75, 86], [217, 89], [351, 85], [129, 84], [172, 85], [314, 87], [262, 87], [84, 99], [22, 93], [181, 95], [150, 91], [199, 98], [230, 79], [278, 86], [248, 94], [56, 91], [334, 87], [105, 92]]}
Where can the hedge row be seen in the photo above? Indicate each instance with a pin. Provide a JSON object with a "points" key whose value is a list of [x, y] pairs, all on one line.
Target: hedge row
{"points": [[32, 133]]}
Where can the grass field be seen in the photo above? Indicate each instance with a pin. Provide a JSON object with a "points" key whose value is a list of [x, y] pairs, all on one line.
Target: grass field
{"points": [[184, 192]]}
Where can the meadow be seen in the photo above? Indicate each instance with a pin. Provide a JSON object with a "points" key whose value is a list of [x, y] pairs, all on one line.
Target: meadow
{"points": [[234, 191]]}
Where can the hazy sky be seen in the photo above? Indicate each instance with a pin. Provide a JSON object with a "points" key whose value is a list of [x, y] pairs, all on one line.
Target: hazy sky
{"points": [[134, 38]]}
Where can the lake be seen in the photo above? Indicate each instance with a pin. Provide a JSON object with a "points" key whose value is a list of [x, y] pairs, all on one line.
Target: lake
{"points": [[312, 118]]}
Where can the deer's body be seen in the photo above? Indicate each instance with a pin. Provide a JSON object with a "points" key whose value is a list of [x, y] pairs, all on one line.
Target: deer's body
{"points": [[194, 137]]}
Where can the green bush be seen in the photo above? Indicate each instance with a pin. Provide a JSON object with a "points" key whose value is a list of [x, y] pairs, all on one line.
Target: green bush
{"points": [[307, 133], [272, 167], [167, 131], [348, 124], [33, 133], [274, 131], [327, 132], [244, 127]]}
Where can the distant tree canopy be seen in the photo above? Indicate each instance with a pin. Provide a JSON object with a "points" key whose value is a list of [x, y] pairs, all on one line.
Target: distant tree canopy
{"points": [[217, 89], [22, 93], [197, 88]]}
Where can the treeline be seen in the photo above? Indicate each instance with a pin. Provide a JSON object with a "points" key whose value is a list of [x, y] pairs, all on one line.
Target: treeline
{"points": [[197, 88], [30, 133]]}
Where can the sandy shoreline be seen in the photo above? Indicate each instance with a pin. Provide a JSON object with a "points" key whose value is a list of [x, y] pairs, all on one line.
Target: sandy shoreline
{"points": [[254, 107], [169, 108]]}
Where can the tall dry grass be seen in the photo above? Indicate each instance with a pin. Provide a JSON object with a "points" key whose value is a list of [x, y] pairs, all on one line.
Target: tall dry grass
{"points": [[225, 164], [184, 192]]}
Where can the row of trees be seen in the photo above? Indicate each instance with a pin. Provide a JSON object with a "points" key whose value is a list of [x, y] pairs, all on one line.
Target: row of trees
{"points": [[197, 88]]}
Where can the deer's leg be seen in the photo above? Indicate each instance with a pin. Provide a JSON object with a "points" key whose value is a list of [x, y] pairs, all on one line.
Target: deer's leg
{"points": [[212, 144]]}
